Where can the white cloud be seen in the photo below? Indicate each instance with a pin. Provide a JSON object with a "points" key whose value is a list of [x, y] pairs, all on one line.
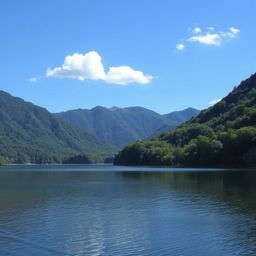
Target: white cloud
{"points": [[34, 79], [79, 66], [180, 47], [208, 38], [234, 30], [216, 38], [196, 30], [231, 33], [89, 66], [213, 102], [126, 75]]}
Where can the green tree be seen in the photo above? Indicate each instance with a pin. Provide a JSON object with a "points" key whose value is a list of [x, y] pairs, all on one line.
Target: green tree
{"points": [[2, 160]]}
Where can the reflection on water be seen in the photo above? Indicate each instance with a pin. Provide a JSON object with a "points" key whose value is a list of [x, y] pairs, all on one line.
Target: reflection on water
{"points": [[106, 210]]}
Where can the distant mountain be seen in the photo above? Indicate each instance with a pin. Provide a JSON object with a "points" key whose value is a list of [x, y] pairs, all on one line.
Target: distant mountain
{"points": [[117, 126], [29, 133], [222, 135], [183, 115], [120, 126], [177, 118]]}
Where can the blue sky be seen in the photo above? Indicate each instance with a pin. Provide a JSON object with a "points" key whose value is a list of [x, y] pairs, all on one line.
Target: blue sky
{"points": [[164, 55]]}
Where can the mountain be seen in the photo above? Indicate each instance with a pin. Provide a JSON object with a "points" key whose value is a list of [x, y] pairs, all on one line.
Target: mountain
{"points": [[120, 126], [177, 118], [29, 133], [117, 126], [222, 135], [182, 116]]}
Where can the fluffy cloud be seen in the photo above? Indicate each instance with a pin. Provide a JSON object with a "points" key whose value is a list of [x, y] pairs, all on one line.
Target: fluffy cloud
{"points": [[89, 66], [213, 102], [211, 38], [231, 33], [196, 30], [208, 38], [180, 47], [79, 66], [126, 75]]}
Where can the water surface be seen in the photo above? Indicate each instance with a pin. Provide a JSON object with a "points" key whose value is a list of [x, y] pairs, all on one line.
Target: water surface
{"points": [[107, 210]]}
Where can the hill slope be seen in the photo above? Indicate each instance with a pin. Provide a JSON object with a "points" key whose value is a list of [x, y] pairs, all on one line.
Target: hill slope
{"points": [[222, 135], [29, 133], [120, 126], [182, 116], [177, 118], [117, 126]]}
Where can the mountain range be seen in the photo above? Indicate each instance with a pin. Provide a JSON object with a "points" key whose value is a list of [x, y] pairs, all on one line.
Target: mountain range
{"points": [[120, 126], [29, 133], [222, 135]]}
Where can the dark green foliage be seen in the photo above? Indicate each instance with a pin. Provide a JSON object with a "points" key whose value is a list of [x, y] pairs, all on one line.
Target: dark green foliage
{"points": [[29, 133], [120, 126], [83, 159], [183, 135], [144, 153], [2, 160], [222, 135]]}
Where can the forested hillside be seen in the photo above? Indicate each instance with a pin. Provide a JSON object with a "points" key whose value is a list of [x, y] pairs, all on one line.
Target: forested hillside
{"points": [[29, 133], [222, 135], [120, 126]]}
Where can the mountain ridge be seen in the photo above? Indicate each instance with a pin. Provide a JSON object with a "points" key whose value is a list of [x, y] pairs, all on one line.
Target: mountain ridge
{"points": [[182, 116], [29, 133], [120, 126]]}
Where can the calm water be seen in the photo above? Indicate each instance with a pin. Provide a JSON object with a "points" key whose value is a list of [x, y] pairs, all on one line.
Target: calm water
{"points": [[106, 210]]}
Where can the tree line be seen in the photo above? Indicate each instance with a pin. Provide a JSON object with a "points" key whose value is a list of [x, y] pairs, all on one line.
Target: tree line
{"points": [[222, 135]]}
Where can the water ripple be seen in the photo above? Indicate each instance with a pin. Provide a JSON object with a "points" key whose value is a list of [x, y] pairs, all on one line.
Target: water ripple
{"points": [[127, 213]]}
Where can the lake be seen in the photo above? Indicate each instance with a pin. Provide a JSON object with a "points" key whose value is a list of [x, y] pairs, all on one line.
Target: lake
{"points": [[111, 210]]}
